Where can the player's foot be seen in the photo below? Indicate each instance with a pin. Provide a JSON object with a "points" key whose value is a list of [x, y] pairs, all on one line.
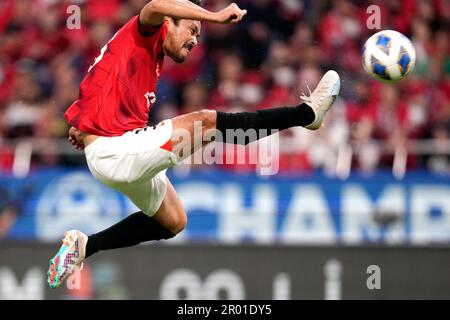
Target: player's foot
{"points": [[323, 97], [70, 255]]}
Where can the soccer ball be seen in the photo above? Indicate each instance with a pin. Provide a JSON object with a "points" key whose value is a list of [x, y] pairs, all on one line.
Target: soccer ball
{"points": [[388, 56]]}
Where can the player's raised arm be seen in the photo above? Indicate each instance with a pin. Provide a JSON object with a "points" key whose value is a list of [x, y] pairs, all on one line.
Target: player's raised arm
{"points": [[155, 11]]}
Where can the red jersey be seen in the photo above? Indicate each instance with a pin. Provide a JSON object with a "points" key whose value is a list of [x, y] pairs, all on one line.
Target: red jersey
{"points": [[120, 88]]}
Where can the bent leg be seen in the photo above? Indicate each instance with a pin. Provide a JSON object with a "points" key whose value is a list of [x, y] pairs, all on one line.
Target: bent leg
{"points": [[171, 215], [169, 220]]}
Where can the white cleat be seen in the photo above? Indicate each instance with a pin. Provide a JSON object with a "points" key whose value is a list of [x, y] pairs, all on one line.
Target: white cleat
{"points": [[70, 255], [323, 97]]}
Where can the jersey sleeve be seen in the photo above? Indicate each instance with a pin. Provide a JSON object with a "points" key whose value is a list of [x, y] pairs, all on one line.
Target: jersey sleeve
{"points": [[77, 114], [147, 31], [150, 37]]}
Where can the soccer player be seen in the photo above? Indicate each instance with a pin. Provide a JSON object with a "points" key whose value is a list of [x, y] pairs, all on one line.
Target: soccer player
{"points": [[109, 122]]}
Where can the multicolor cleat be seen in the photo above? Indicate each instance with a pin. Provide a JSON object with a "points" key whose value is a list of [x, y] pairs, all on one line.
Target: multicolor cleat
{"points": [[70, 255]]}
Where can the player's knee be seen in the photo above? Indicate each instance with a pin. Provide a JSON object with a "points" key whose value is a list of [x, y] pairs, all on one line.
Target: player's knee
{"points": [[178, 223], [182, 222], [207, 117]]}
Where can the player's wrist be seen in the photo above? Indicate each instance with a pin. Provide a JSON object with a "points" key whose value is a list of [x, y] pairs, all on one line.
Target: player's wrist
{"points": [[214, 17], [208, 16]]}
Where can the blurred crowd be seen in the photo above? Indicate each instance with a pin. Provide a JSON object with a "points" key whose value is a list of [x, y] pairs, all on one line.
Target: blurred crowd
{"points": [[281, 48]]}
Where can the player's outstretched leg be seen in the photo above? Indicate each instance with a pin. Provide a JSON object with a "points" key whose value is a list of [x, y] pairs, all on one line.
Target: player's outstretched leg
{"points": [[310, 114]]}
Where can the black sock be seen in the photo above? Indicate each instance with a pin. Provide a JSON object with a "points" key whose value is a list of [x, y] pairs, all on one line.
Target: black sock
{"points": [[266, 119], [132, 230]]}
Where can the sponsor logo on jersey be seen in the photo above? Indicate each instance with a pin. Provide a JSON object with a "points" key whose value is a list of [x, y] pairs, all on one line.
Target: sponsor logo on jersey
{"points": [[151, 98]]}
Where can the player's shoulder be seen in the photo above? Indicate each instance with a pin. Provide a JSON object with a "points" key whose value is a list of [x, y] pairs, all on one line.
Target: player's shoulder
{"points": [[145, 32], [149, 30]]}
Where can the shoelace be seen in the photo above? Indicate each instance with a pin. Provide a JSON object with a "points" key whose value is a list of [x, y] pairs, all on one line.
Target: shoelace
{"points": [[318, 97], [306, 98], [79, 255], [73, 259]]}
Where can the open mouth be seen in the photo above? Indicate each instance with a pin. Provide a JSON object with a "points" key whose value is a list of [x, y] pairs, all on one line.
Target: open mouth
{"points": [[189, 46]]}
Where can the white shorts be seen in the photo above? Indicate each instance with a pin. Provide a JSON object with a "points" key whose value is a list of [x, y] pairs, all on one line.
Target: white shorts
{"points": [[135, 164]]}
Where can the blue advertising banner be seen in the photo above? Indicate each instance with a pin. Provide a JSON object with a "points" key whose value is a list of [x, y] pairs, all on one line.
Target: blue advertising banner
{"points": [[227, 207]]}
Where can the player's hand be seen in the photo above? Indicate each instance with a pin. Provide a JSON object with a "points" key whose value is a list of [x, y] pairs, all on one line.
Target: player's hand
{"points": [[231, 14], [75, 138]]}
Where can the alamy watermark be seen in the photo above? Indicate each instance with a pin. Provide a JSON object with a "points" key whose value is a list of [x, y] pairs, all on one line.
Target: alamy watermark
{"points": [[374, 19], [374, 280], [245, 147], [73, 281], [73, 22]]}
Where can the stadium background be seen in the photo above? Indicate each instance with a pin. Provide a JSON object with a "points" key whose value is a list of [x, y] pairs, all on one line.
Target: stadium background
{"points": [[369, 189]]}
